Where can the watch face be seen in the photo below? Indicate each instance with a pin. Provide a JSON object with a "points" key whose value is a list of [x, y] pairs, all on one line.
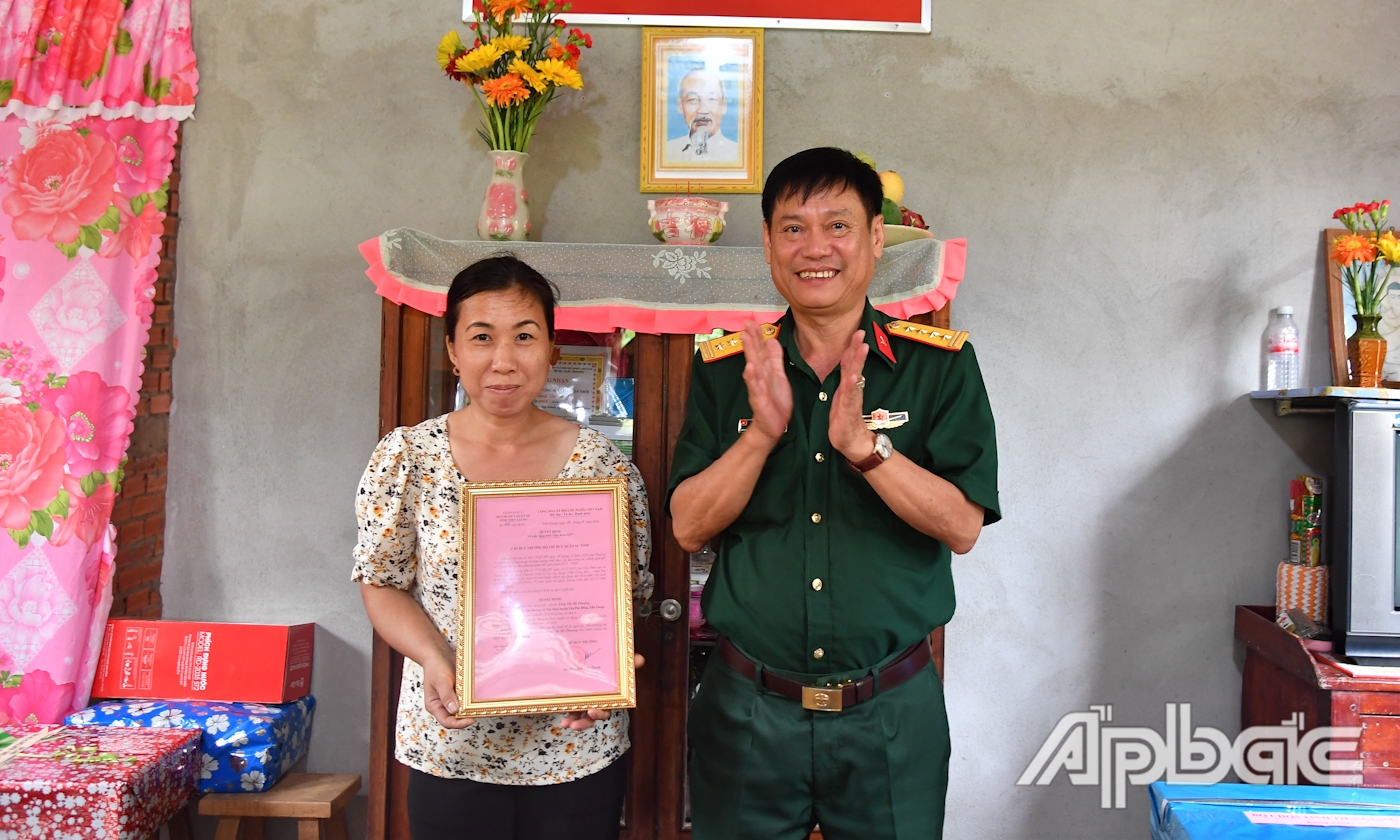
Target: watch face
{"points": [[883, 446]]}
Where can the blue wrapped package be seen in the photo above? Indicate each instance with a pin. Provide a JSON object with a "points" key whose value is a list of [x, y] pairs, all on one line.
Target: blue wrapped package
{"points": [[246, 746], [1273, 812]]}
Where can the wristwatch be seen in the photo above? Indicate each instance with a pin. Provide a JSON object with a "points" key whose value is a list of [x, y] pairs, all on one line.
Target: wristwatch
{"points": [[883, 450]]}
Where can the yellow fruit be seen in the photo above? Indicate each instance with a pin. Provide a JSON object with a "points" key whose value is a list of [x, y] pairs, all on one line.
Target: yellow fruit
{"points": [[893, 185]]}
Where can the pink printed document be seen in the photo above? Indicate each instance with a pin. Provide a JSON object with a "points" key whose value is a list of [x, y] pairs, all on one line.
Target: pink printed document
{"points": [[548, 626]]}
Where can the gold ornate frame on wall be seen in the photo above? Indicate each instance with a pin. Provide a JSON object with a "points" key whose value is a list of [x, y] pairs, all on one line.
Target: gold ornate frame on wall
{"points": [[626, 696], [659, 176]]}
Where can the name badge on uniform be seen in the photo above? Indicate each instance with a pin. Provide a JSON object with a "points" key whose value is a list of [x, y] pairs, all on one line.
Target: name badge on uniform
{"points": [[882, 418], [744, 424]]}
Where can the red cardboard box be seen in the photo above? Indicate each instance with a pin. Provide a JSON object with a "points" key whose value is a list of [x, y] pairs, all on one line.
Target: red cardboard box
{"points": [[199, 660]]}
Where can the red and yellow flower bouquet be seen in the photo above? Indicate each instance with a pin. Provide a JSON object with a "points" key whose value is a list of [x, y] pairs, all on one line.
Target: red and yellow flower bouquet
{"points": [[520, 57], [1367, 254]]}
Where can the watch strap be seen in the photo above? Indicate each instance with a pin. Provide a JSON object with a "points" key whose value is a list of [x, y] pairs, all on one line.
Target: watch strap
{"points": [[870, 462]]}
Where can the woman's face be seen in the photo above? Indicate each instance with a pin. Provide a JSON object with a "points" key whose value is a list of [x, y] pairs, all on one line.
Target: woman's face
{"points": [[503, 350]]}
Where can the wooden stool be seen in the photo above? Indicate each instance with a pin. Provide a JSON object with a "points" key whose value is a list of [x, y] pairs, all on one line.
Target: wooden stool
{"points": [[309, 798]]}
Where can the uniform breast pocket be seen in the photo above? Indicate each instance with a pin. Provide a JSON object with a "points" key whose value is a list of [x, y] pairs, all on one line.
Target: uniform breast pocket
{"points": [[778, 483], [908, 440]]}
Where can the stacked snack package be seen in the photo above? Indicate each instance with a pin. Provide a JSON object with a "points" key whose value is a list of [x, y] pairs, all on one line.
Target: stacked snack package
{"points": [[1305, 538], [1301, 581]]}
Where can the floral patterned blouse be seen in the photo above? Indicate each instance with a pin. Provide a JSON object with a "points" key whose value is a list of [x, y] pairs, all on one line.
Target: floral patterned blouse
{"points": [[407, 508]]}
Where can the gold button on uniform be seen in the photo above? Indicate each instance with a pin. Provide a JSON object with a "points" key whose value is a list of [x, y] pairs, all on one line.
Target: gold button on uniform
{"points": [[820, 457], [818, 653], [817, 584], [816, 517], [822, 396]]}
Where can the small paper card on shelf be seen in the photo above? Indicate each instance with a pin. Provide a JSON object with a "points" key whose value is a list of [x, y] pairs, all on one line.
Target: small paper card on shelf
{"points": [[544, 598], [1365, 672]]}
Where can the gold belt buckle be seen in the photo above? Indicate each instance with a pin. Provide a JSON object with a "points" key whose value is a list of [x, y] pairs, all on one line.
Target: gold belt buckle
{"points": [[823, 698]]}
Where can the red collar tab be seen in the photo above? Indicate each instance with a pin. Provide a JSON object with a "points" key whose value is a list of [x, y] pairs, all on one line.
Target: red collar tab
{"points": [[882, 342]]}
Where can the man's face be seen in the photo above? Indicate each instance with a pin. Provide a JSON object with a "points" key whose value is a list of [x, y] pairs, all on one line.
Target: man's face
{"points": [[702, 105], [822, 252]]}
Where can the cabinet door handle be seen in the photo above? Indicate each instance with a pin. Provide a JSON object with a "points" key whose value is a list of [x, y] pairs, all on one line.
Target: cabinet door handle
{"points": [[670, 609]]}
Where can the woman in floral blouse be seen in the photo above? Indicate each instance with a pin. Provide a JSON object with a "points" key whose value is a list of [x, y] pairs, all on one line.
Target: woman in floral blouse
{"points": [[534, 776]]}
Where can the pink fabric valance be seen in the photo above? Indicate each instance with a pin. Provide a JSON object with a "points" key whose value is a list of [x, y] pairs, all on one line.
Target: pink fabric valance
{"points": [[67, 59], [653, 289]]}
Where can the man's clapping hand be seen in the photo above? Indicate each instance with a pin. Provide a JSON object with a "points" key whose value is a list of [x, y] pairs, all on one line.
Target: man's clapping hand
{"points": [[770, 393], [845, 425]]}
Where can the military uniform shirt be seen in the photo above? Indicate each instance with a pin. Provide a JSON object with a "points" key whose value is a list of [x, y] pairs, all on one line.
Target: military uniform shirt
{"points": [[818, 575]]}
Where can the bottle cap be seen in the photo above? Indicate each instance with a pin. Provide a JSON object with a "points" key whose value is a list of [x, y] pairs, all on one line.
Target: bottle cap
{"points": [[1285, 310]]}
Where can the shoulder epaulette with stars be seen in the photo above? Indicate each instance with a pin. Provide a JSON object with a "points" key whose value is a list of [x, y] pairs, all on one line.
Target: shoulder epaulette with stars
{"points": [[714, 349], [952, 340]]}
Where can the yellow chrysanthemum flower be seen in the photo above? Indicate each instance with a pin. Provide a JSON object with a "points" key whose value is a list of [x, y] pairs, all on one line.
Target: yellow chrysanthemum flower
{"points": [[1389, 247], [479, 59], [531, 76], [559, 73], [512, 43], [448, 47]]}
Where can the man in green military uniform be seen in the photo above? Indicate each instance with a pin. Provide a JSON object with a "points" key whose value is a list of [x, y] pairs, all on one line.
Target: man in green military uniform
{"points": [[832, 463]]}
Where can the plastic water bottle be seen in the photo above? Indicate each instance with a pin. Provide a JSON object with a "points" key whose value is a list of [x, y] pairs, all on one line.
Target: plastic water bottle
{"points": [[1281, 352]]}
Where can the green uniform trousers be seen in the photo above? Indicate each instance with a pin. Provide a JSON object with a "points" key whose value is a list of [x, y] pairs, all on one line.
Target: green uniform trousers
{"points": [[763, 767]]}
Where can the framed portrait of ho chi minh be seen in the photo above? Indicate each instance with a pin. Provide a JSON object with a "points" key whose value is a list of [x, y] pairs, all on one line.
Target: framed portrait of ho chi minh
{"points": [[702, 110], [544, 598]]}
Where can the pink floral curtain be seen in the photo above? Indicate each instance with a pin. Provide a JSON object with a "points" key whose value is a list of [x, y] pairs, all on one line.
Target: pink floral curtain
{"points": [[95, 90]]}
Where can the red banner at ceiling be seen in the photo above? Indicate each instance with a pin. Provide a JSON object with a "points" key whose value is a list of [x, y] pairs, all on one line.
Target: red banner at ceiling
{"points": [[890, 11], [889, 16]]}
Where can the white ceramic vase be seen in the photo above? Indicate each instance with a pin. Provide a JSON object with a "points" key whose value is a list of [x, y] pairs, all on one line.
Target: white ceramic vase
{"points": [[505, 211]]}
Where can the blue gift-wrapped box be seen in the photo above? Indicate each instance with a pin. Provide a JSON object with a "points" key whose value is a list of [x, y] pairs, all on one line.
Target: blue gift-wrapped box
{"points": [[1273, 812], [246, 746]]}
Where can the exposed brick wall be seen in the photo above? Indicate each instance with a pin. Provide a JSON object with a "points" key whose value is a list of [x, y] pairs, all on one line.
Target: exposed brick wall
{"points": [[139, 513]]}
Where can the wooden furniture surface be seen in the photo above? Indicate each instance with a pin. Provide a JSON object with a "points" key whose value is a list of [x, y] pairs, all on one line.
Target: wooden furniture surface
{"points": [[1281, 677], [313, 799], [412, 386]]}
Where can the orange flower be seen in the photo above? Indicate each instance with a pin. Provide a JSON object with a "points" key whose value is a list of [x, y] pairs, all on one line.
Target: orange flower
{"points": [[505, 91], [502, 9], [1352, 248]]}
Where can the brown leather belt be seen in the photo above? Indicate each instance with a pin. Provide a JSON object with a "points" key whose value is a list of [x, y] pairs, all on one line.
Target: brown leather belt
{"points": [[832, 698]]}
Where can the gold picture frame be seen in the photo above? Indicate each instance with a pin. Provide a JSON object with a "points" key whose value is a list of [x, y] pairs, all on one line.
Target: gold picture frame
{"points": [[702, 110], [497, 516]]}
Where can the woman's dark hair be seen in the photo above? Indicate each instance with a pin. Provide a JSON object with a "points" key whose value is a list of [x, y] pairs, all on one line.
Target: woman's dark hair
{"points": [[500, 273], [820, 170]]}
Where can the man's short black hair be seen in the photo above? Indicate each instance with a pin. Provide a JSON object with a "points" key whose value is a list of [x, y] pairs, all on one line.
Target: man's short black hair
{"points": [[821, 170]]}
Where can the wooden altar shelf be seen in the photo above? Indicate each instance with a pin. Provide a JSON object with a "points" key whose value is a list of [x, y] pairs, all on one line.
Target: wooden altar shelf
{"points": [[1282, 677]]}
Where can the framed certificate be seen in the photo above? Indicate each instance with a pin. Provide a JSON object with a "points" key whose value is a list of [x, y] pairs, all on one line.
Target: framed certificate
{"points": [[544, 598]]}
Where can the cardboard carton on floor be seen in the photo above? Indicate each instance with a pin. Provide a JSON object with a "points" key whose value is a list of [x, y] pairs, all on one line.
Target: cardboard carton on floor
{"points": [[200, 660]]}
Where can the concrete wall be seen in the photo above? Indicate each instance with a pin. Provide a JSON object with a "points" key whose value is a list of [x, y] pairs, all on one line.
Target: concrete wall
{"points": [[1139, 185]]}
